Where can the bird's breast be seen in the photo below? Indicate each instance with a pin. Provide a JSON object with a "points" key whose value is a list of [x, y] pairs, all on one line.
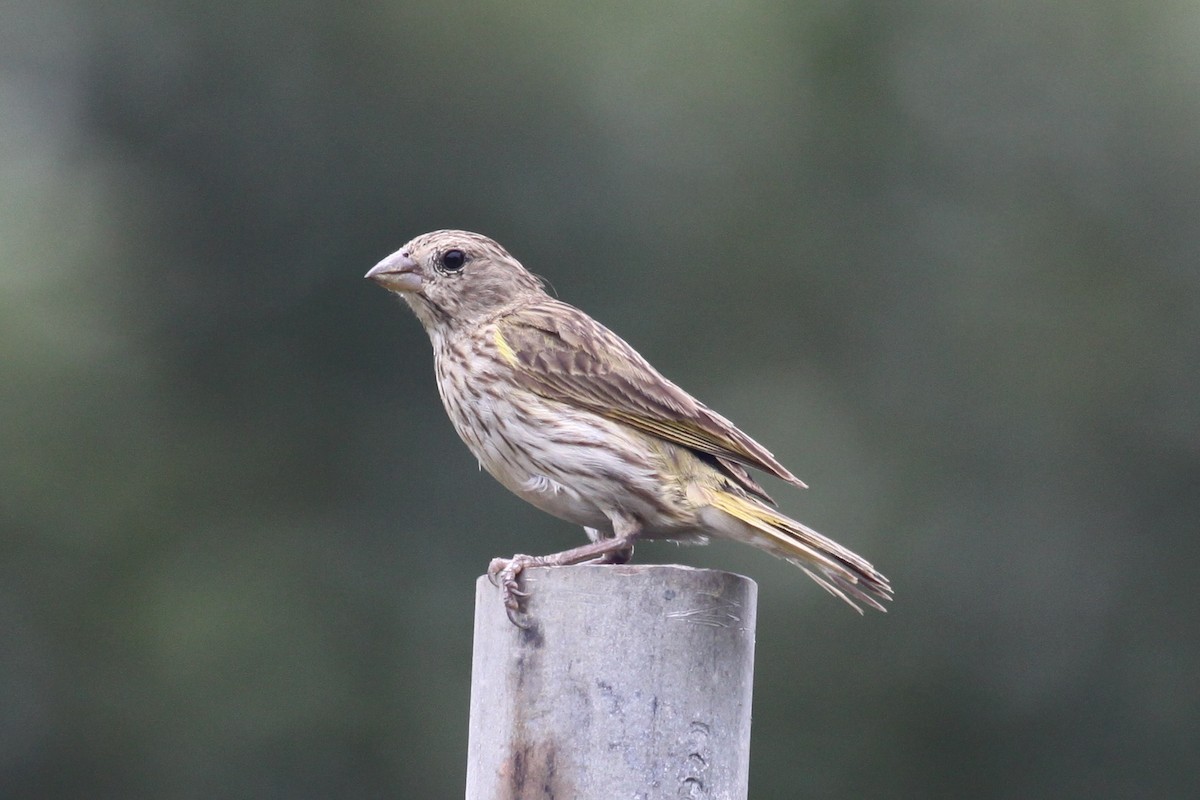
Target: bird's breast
{"points": [[565, 460]]}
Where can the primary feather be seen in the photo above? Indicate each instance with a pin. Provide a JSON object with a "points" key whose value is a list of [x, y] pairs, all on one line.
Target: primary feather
{"points": [[562, 354]]}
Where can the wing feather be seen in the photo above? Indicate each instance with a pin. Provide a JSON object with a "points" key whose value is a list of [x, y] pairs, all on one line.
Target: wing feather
{"points": [[562, 354]]}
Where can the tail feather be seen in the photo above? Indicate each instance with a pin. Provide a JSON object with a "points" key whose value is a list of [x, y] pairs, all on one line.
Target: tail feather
{"points": [[839, 571]]}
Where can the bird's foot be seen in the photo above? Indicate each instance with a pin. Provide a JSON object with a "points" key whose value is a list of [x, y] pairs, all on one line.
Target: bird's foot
{"points": [[506, 574]]}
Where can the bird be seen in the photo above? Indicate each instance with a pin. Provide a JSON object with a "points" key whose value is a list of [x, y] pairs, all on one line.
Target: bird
{"points": [[571, 418]]}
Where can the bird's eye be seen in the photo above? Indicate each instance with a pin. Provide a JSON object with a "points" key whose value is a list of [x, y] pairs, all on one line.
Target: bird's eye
{"points": [[453, 260]]}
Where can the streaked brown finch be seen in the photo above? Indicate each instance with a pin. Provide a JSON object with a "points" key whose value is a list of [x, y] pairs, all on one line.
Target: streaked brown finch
{"points": [[569, 417]]}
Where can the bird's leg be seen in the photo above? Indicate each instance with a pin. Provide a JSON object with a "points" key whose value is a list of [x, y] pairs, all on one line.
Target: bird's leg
{"points": [[506, 572], [620, 557]]}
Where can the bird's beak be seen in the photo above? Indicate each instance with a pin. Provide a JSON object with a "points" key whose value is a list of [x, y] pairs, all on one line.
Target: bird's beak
{"points": [[397, 273]]}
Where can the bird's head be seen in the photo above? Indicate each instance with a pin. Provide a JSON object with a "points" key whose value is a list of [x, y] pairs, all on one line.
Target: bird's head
{"points": [[455, 278]]}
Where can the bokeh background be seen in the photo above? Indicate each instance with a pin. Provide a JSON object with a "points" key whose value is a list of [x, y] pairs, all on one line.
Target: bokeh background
{"points": [[940, 257]]}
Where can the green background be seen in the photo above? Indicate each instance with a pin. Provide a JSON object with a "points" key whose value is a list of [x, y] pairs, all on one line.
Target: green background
{"points": [[940, 257]]}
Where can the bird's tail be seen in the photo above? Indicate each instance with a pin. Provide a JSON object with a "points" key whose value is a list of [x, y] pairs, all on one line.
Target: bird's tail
{"points": [[841, 572]]}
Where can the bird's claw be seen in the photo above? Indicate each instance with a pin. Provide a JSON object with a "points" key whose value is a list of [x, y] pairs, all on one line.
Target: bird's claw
{"points": [[505, 573], [518, 618]]}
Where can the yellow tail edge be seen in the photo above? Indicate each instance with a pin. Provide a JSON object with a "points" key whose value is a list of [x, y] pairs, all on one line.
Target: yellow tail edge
{"points": [[841, 572]]}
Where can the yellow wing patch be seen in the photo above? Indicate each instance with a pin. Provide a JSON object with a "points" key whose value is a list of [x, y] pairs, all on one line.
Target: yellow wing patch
{"points": [[505, 348]]}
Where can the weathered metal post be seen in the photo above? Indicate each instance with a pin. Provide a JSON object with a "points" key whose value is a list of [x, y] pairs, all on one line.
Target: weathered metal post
{"points": [[631, 682]]}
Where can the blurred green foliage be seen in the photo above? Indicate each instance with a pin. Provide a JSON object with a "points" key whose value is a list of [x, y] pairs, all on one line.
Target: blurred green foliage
{"points": [[940, 257]]}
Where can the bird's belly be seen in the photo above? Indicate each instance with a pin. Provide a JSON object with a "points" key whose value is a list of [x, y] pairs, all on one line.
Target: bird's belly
{"points": [[569, 502], [568, 462]]}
